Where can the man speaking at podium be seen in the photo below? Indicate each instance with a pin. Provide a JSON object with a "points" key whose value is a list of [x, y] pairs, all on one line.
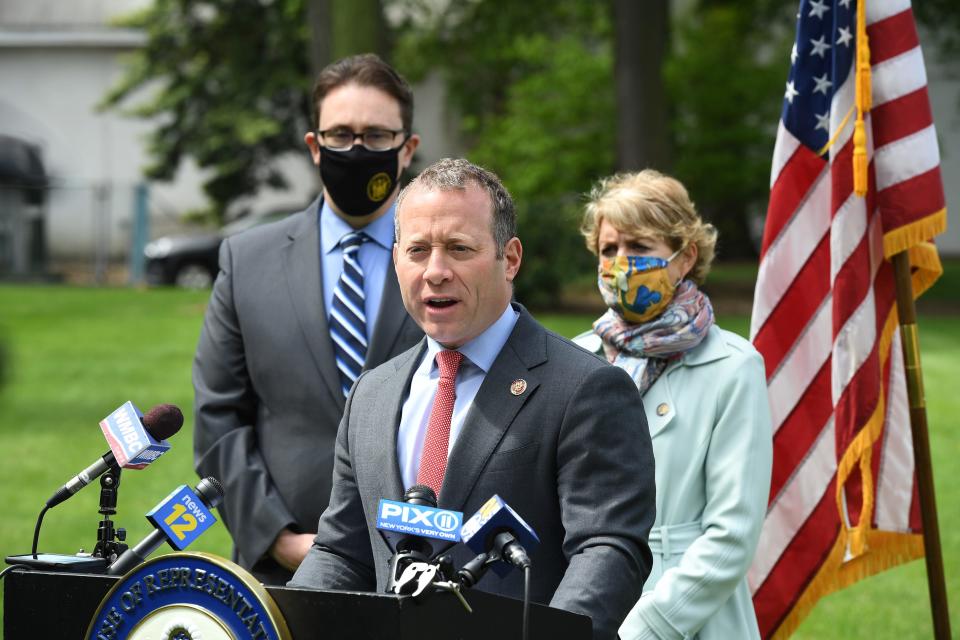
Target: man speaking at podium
{"points": [[490, 403]]}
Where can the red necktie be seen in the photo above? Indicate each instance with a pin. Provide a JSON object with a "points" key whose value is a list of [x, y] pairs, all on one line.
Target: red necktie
{"points": [[433, 460]]}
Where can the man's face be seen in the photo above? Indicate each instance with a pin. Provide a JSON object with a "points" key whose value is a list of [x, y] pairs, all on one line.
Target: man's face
{"points": [[358, 108], [451, 281]]}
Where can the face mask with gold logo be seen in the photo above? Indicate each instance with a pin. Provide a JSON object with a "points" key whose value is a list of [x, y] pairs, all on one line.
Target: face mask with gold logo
{"points": [[636, 287], [358, 179]]}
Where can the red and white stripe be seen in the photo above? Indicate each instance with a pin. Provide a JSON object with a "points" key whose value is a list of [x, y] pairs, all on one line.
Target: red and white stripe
{"points": [[823, 296]]}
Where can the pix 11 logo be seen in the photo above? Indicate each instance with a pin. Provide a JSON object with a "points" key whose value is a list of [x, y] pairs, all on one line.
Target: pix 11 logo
{"points": [[418, 520], [182, 517]]}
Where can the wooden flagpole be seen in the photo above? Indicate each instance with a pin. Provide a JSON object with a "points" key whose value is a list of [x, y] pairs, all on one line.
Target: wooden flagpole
{"points": [[933, 555]]}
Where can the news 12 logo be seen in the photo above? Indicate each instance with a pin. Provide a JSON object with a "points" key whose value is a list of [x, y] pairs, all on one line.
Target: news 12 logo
{"points": [[182, 517], [418, 520], [131, 444]]}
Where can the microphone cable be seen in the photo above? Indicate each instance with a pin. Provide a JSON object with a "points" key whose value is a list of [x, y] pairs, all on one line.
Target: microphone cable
{"points": [[36, 530], [525, 631]]}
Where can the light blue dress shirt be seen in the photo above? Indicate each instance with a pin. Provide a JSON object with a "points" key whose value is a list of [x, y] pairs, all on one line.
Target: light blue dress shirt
{"points": [[375, 257], [479, 355]]}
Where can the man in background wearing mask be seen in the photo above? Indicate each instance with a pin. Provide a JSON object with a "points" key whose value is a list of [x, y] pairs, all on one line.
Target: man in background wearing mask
{"points": [[299, 309]]}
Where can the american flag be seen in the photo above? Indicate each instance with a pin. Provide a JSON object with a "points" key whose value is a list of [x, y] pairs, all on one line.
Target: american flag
{"points": [[843, 502]]}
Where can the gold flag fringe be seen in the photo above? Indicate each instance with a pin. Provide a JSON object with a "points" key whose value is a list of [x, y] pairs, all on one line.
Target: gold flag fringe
{"points": [[917, 232], [886, 550]]}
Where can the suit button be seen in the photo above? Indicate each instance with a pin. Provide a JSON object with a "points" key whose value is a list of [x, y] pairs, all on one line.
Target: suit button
{"points": [[662, 409]]}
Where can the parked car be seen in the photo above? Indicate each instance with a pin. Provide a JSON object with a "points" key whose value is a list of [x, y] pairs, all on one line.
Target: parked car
{"points": [[190, 261]]}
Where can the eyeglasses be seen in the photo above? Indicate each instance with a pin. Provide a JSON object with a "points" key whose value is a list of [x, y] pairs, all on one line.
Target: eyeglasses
{"points": [[342, 139]]}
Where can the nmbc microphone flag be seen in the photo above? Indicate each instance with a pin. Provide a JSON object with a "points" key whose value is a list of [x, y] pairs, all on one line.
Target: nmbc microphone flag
{"points": [[855, 180], [131, 444]]}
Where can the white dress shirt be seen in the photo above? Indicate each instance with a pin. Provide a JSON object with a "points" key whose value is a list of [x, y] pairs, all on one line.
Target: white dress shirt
{"points": [[479, 355]]}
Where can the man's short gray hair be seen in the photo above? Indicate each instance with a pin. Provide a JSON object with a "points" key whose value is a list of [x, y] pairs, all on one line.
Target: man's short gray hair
{"points": [[456, 173]]}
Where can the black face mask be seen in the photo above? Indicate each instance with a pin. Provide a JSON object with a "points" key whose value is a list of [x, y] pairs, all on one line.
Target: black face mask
{"points": [[359, 180]]}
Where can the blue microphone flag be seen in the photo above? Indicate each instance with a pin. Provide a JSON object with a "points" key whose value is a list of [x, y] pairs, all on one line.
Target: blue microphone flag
{"points": [[492, 518], [182, 517], [419, 520]]}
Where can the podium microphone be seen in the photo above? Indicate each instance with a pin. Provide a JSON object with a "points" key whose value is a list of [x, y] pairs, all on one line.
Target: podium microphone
{"points": [[405, 527], [496, 528], [413, 545], [179, 519], [495, 532], [134, 441]]}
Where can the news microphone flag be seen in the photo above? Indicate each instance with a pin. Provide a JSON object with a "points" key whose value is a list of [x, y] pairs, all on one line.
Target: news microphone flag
{"points": [[182, 517], [419, 520], [496, 516], [855, 180], [131, 444]]}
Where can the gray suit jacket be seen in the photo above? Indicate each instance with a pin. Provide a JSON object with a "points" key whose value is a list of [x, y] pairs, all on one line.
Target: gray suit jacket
{"points": [[571, 454], [267, 391]]}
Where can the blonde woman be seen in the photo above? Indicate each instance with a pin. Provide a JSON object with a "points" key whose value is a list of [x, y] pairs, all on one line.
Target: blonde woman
{"points": [[705, 399]]}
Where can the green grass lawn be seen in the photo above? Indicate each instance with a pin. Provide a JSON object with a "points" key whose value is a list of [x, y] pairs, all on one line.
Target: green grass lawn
{"points": [[76, 354]]}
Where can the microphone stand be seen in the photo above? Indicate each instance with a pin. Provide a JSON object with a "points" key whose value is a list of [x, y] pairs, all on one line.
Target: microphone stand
{"points": [[110, 541]]}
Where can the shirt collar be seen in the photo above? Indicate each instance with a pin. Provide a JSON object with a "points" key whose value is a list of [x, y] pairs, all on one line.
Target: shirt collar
{"points": [[333, 228], [485, 348], [712, 347]]}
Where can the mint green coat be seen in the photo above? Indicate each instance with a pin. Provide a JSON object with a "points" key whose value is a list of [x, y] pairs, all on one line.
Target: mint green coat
{"points": [[710, 425]]}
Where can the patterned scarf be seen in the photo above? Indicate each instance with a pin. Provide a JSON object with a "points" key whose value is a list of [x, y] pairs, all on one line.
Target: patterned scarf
{"points": [[644, 350]]}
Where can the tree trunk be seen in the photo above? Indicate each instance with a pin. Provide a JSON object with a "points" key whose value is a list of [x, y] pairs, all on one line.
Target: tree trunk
{"points": [[318, 17], [358, 26], [340, 28], [643, 125]]}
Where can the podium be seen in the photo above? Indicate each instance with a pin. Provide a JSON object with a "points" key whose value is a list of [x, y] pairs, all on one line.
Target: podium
{"points": [[40, 604]]}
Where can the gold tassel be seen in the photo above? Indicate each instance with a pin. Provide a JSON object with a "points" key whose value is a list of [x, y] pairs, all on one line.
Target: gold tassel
{"points": [[864, 102], [859, 157]]}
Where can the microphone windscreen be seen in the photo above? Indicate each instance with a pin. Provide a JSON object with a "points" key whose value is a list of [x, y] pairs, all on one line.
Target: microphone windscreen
{"points": [[210, 491], [163, 421], [422, 495]]}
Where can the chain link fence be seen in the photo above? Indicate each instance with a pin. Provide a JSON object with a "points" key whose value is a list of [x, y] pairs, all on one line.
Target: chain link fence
{"points": [[80, 233]]}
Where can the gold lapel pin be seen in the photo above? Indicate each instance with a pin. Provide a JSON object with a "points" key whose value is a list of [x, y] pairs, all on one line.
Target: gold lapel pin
{"points": [[518, 386], [662, 409]]}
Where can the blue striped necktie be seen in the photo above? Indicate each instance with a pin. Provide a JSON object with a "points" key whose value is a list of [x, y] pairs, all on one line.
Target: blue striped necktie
{"points": [[348, 323]]}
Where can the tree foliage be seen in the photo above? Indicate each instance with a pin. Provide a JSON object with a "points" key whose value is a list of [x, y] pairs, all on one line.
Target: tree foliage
{"points": [[226, 81], [551, 141], [725, 79], [941, 18], [533, 82]]}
